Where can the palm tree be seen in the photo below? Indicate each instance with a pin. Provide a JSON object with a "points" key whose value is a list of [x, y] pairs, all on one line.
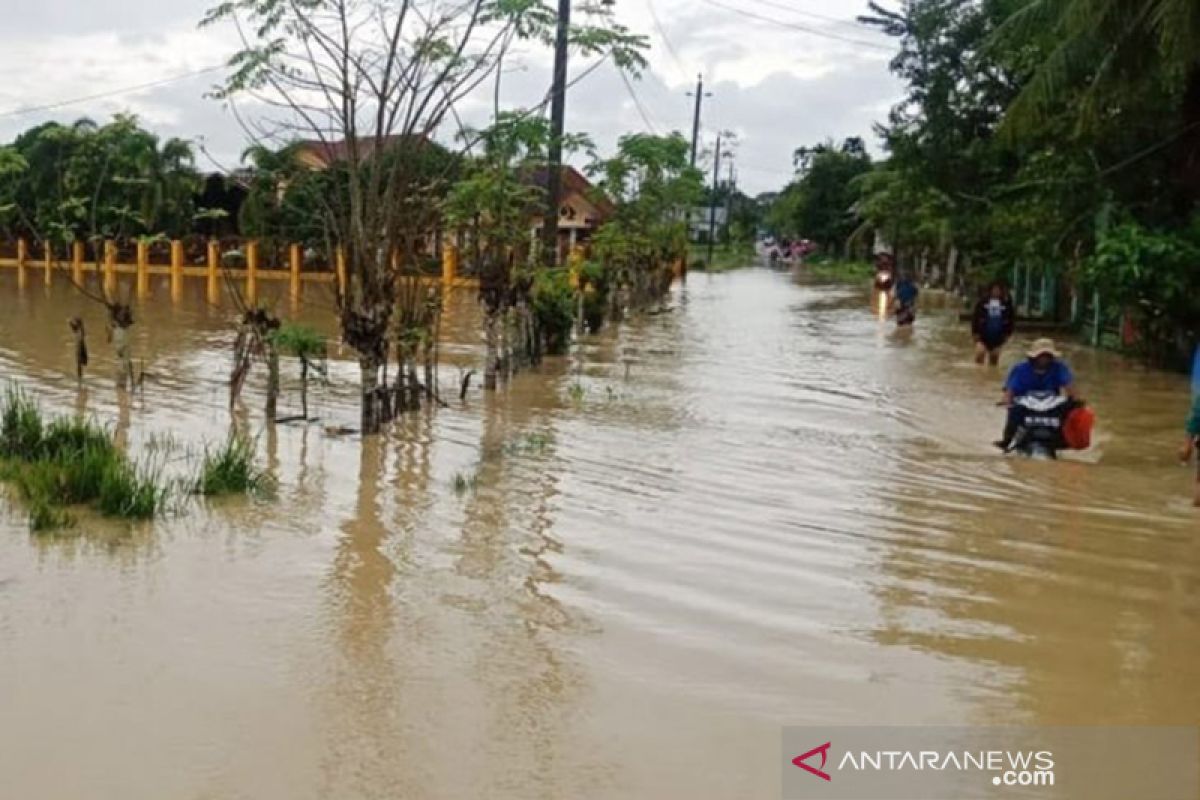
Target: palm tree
{"points": [[1102, 48]]}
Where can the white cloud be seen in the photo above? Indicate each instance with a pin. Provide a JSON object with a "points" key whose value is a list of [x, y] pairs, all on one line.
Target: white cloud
{"points": [[777, 87]]}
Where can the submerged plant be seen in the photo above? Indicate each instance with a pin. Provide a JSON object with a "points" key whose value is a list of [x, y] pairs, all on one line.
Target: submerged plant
{"points": [[309, 346], [231, 470], [70, 461], [462, 483], [45, 517], [131, 492], [20, 425]]}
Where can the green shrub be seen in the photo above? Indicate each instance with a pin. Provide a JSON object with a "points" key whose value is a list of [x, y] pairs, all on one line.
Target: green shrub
{"points": [[554, 309], [231, 470]]}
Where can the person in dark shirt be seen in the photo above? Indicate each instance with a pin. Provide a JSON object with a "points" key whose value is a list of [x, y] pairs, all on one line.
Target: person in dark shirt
{"points": [[992, 324], [1043, 371]]}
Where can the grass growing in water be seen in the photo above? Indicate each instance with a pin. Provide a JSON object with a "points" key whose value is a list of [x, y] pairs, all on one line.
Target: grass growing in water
{"points": [[231, 470], [70, 461], [463, 483]]}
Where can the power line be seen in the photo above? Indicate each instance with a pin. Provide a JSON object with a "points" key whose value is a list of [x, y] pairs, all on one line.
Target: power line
{"points": [[637, 102], [853, 23], [663, 33], [804, 28], [112, 93]]}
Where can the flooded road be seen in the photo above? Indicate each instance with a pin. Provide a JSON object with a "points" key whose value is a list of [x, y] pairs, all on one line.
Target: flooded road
{"points": [[761, 509]]}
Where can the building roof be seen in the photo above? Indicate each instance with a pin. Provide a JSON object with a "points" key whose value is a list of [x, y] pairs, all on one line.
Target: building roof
{"points": [[329, 152], [574, 182]]}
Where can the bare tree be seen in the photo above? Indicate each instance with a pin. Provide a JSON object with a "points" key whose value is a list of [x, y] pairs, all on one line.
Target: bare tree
{"points": [[369, 83]]}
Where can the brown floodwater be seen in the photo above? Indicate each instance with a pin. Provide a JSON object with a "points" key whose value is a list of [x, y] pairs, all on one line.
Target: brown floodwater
{"points": [[762, 508]]}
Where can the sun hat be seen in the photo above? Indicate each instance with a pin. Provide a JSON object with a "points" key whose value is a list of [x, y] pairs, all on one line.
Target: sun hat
{"points": [[1043, 347]]}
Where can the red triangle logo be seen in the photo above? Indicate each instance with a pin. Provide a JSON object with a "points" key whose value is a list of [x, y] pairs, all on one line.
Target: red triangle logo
{"points": [[818, 771]]}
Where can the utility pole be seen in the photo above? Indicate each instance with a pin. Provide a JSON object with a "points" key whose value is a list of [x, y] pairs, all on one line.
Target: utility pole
{"points": [[729, 184], [558, 110], [712, 202], [700, 95]]}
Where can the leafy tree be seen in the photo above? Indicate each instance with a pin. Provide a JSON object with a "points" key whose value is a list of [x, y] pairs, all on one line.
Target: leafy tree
{"points": [[652, 186], [818, 204]]}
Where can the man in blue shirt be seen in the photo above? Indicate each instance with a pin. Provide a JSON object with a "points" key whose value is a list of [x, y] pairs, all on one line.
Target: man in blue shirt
{"points": [[1043, 371]]}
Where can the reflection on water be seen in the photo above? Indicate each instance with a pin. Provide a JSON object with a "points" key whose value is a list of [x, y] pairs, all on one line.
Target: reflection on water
{"points": [[759, 508]]}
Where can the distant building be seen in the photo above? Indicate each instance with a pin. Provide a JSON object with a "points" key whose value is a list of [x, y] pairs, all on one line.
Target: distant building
{"points": [[316, 154], [582, 211], [701, 219]]}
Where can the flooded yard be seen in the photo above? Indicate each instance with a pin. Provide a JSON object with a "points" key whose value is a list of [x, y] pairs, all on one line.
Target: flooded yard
{"points": [[759, 509]]}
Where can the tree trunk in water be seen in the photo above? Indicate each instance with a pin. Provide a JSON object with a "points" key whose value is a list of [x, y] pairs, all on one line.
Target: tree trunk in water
{"points": [[398, 392], [414, 386], [120, 337], [372, 417], [430, 379], [272, 382], [304, 387], [491, 367]]}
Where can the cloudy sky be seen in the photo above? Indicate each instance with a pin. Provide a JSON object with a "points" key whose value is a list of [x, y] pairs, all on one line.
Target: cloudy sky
{"points": [[782, 73]]}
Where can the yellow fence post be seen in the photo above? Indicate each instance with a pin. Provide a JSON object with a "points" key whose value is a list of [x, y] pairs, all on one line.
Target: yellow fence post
{"points": [[214, 257], [341, 271], [294, 264], [110, 268], [251, 273], [449, 264], [77, 262], [22, 254], [143, 269], [176, 270], [48, 255]]}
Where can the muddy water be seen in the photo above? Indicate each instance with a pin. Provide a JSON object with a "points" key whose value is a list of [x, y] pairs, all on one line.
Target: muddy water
{"points": [[760, 509]]}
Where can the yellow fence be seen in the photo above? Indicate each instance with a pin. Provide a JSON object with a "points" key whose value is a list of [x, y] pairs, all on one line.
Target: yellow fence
{"points": [[212, 272]]}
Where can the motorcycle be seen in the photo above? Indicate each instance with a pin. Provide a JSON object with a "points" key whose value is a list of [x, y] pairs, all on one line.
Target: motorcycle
{"points": [[1041, 419]]}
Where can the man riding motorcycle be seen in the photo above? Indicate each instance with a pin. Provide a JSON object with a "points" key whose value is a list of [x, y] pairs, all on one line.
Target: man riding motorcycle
{"points": [[1043, 372]]}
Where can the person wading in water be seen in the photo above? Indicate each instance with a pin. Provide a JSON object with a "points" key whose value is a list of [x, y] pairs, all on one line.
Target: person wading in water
{"points": [[992, 324], [906, 301]]}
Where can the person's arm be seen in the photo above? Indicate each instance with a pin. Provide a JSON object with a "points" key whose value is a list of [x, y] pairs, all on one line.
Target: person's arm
{"points": [[1010, 319], [1010, 387], [1068, 381], [977, 320]]}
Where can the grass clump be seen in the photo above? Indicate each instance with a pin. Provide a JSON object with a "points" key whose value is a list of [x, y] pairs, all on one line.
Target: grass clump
{"points": [[130, 492], [70, 461], [20, 426], [231, 470], [463, 483]]}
